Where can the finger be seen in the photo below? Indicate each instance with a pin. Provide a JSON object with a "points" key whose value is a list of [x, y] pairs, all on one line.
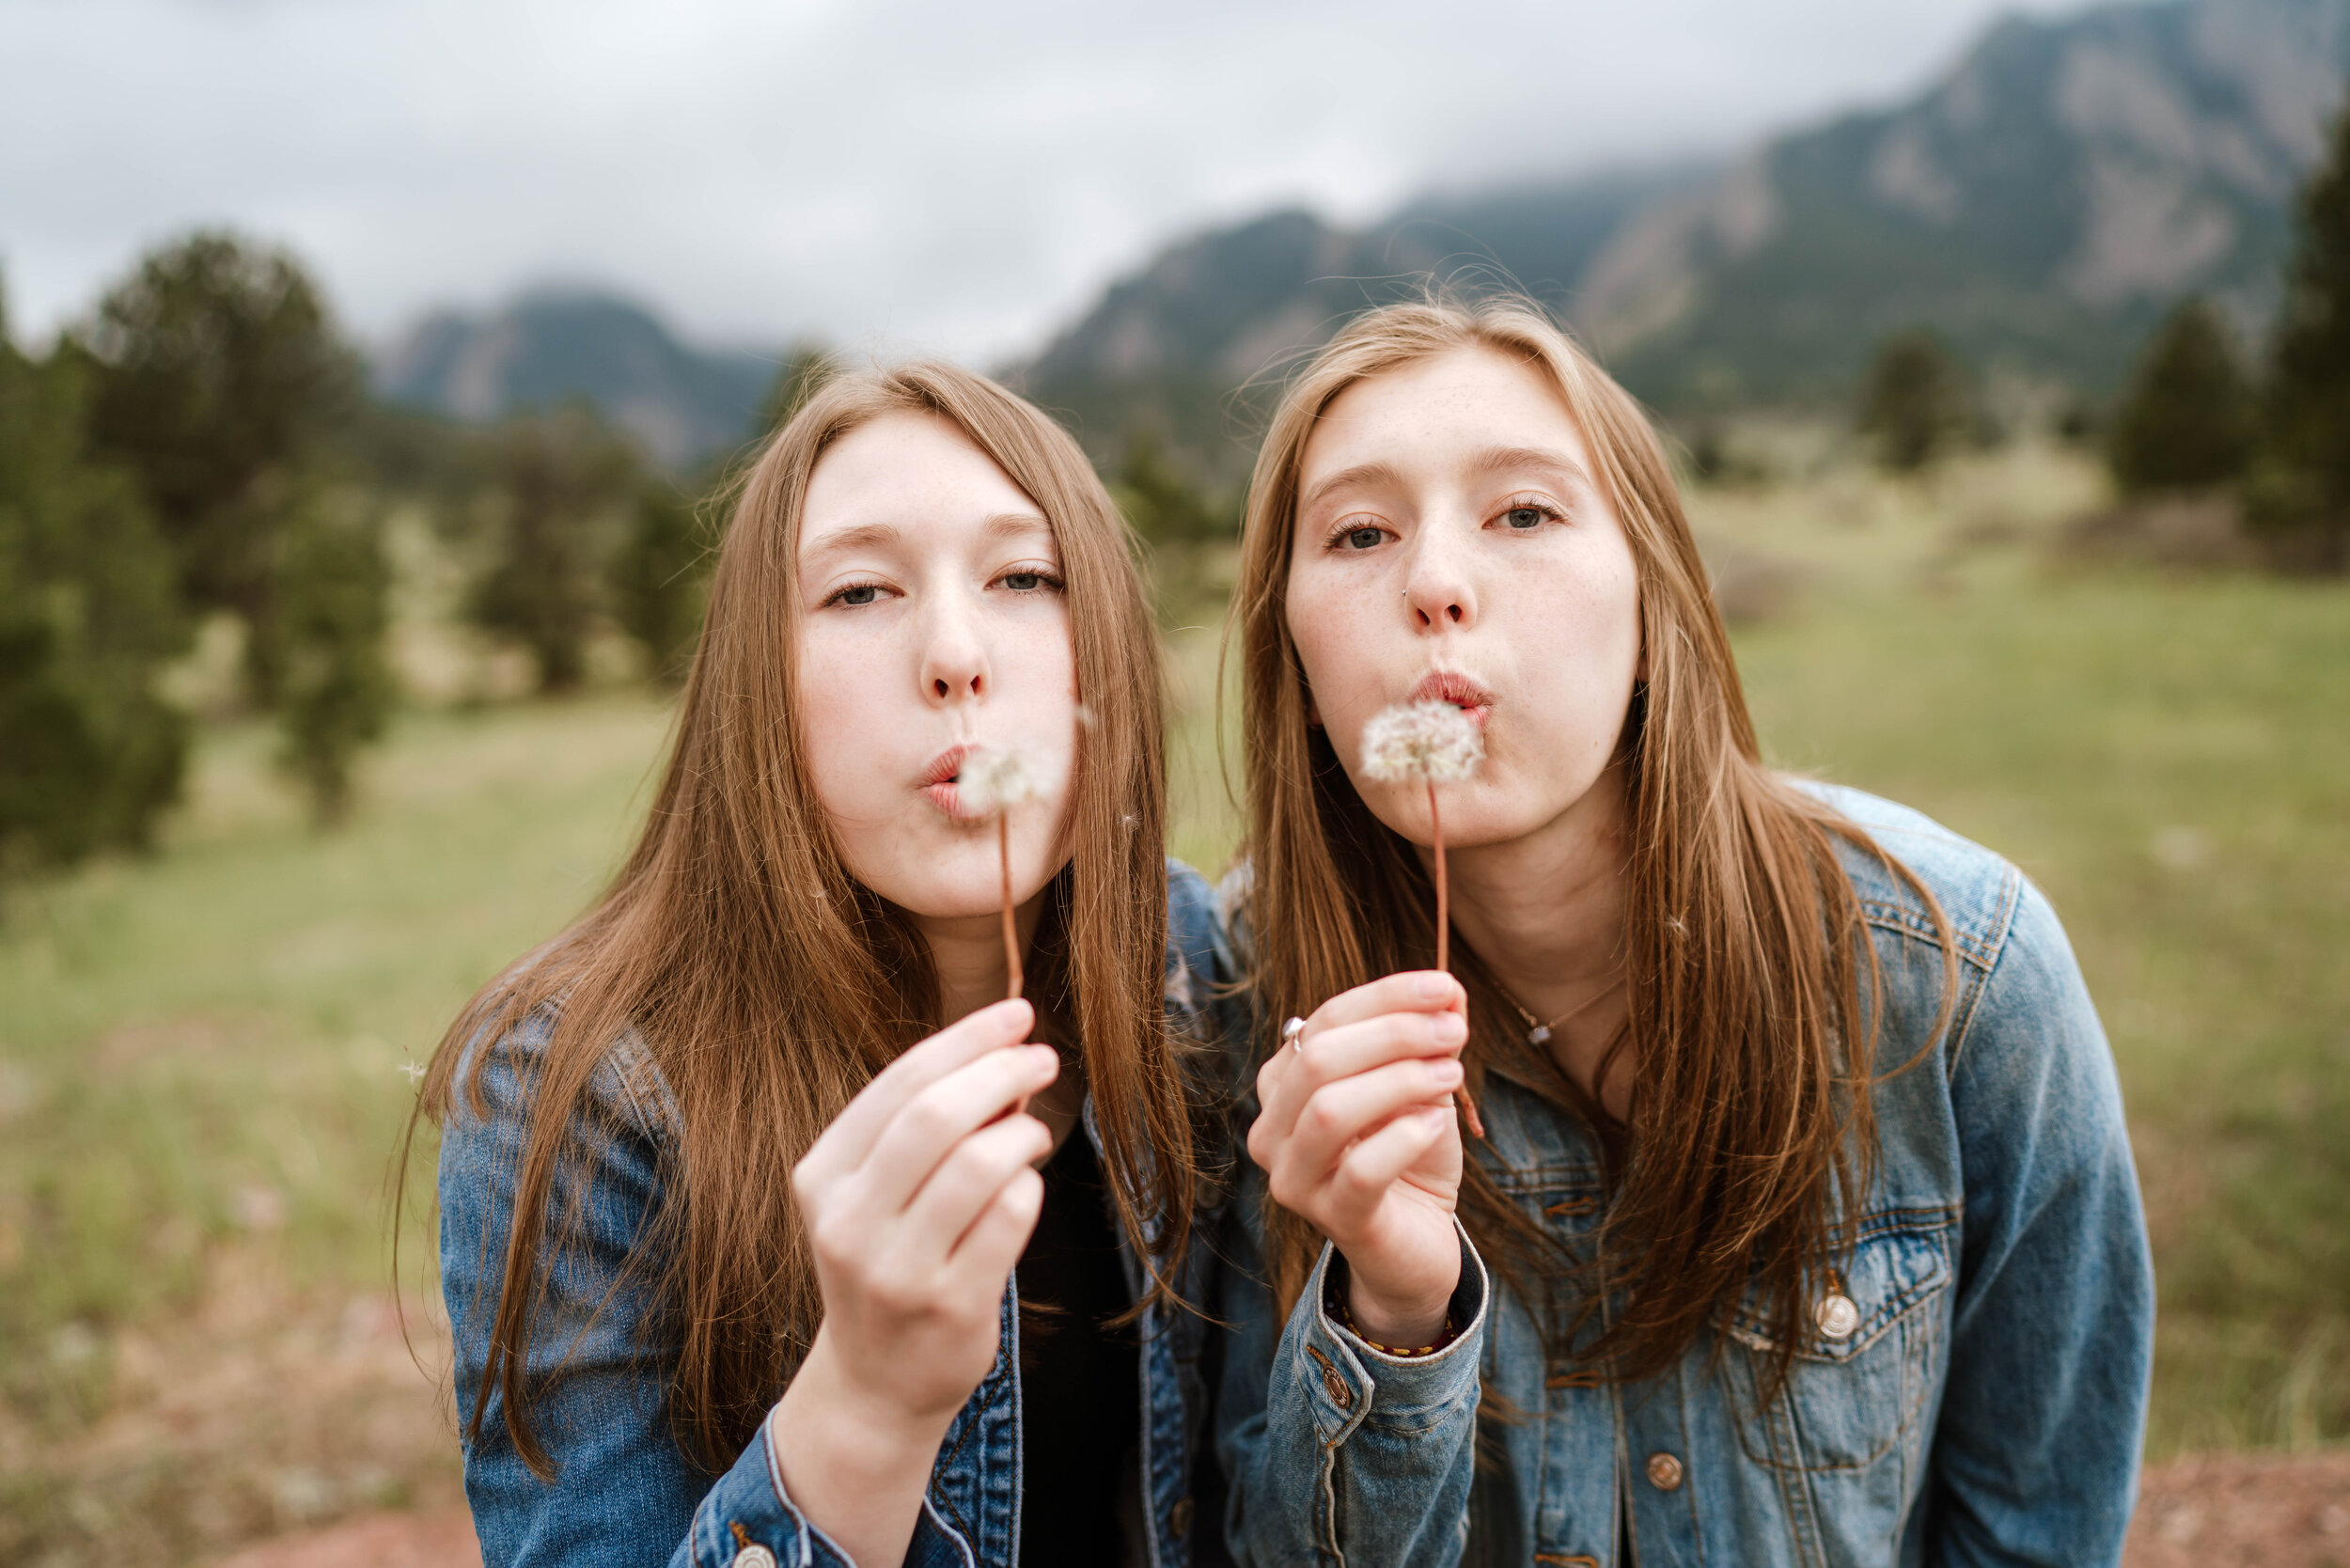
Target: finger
{"points": [[845, 1144], [1339, 1113], [1365, 1171], [983, 1259], [970, 1178], [1413, 991], [928, 1127], [1288, 1082]]}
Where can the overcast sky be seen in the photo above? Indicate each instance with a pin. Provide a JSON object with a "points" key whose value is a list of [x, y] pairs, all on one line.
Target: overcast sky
{"points": [[955, 177]]}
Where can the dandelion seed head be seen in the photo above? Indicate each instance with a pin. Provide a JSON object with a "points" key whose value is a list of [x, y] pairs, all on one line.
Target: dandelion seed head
{"points": [[994, 778], [1435, 741]]}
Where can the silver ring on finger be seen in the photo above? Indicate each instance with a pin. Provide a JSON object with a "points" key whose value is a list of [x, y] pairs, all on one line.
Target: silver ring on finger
{"points": [[1293, 1033]]}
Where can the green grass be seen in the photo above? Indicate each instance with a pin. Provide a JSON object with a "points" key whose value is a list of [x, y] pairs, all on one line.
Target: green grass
{"points": [[212, 1042], [202, 1053]]}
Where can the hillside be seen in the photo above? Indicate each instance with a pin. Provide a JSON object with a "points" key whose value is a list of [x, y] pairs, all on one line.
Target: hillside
{"points": [[552, 347], [2042, 204]]}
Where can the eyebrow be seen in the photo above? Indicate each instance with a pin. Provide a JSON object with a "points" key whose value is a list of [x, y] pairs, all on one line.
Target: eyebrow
{"points": [[872, 535], [1494, 460], [1362, 476]]}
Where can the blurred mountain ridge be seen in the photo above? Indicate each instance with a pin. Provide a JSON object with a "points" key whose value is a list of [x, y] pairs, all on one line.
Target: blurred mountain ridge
{"points": [[557, 345], [2041, 205]]}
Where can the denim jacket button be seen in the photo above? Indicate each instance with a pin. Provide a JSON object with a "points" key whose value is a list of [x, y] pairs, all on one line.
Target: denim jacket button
{"points": [[1664, 1472], [1838, 1317], [1335, 1386], [1179, 1516], [754, 1555]]}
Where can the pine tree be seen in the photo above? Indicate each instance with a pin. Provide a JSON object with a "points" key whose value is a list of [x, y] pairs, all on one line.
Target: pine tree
{"points": [[562, 482], [1163, 506], [2304, 485], [1914, 403], [333, 605], [89, 756], [2186, 421], [219, 377], [660, 579]]}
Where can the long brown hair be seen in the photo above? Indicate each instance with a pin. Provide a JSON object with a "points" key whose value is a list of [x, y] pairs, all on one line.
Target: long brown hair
{"points": [[1743, 955], [769, 987]]}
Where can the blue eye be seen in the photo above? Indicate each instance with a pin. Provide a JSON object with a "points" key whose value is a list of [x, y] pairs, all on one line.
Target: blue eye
{"points": [[1363, 539]]}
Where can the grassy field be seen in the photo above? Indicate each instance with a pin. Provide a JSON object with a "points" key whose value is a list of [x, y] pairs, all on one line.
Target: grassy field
{"points": [[202, 1054]]}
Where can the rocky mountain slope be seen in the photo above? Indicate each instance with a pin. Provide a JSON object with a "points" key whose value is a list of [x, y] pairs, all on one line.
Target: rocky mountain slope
{"points": [[2040, 204], [552, 347]]}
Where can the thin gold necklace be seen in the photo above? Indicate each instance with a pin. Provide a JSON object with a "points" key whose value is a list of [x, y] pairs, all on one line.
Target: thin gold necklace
{"points": [[1537, 1031]]}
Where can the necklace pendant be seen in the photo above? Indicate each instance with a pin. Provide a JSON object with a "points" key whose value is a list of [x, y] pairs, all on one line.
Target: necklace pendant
{"points": [[1538, 1035]]}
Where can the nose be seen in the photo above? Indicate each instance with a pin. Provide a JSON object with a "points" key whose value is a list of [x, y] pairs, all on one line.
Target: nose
{"points": [[1437, 591], [954, 656]]}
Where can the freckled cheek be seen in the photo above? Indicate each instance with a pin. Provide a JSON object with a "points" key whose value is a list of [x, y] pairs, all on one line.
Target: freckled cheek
{"points": [[848, 706], [1345, 650]]}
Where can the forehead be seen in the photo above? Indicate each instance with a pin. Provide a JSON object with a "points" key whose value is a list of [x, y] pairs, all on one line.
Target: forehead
{"points": [[907, 470], [1463, 400]]}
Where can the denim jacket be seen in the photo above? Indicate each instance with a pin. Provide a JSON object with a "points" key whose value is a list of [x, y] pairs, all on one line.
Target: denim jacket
{"points": [[624, 1493], [1974, 1393]]}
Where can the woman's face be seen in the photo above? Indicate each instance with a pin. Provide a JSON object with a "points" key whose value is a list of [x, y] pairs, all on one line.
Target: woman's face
{"points": [[1452, 543], [932, 621]]}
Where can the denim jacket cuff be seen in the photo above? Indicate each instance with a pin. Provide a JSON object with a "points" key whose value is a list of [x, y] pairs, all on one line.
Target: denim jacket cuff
{"points": [[749, 1507], [1358, 1383]]}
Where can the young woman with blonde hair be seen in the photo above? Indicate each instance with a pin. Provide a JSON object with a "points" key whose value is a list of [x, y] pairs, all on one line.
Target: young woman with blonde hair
{"points": [[734, 1173], [1804, 1230]]}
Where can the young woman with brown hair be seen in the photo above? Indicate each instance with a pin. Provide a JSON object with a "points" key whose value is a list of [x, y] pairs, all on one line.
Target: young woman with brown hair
{"points": [[734, 1173], [1812, 1232]]}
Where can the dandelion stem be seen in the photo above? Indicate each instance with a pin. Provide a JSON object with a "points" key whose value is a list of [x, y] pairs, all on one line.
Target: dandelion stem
{"points": [[1444, 951], [1012, 935], [1443, 918]]}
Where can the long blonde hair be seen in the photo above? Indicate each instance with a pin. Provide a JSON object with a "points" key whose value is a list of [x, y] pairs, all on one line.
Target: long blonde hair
{"points": [[1745, 958], [769, 986]]}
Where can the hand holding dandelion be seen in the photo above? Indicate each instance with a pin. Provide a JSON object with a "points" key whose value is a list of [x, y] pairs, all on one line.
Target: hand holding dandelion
{"points": [[991, 782], [1437, 744]]}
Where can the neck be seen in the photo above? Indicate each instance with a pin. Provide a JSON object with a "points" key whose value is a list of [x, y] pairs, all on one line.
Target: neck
{"points": [[1546, 914], [968, 955]]}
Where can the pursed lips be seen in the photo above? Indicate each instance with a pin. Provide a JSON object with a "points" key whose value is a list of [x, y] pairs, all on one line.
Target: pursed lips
{"points": [[1463, 691]]}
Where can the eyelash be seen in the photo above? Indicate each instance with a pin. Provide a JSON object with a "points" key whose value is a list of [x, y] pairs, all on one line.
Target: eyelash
{"points": [[1344, 526], [1532, 503], [1340, 530], [1047, 581]]}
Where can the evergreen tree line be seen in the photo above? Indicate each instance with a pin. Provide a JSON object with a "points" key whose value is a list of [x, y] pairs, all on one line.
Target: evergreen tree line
{"points": [[2194, 417], [203, 442]]}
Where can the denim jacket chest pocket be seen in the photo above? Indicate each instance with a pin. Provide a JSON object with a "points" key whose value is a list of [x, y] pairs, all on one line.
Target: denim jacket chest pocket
{"points": [[1869, 1359]]}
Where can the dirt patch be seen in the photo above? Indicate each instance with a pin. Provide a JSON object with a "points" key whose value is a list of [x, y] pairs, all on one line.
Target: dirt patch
{"points": [[375, 1540], [265, 1410], [2218, 1510]]}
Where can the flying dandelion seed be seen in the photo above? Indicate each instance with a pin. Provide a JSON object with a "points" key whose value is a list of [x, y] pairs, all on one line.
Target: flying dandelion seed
{"points": [[1437, 744], [991, 781]]}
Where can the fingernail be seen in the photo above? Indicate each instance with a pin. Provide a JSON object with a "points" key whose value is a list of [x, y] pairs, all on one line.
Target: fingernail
{"points": [[1433, 986], [1452, 1028], [1447, 1072], [1044, 1056]]}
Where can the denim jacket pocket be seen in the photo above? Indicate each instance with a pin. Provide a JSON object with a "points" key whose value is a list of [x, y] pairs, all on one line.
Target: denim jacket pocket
{"points": [[1866, 1364]]}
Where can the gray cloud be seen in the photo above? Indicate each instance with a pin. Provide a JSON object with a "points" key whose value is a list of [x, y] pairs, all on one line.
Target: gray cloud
{"points": [[952, 177]]}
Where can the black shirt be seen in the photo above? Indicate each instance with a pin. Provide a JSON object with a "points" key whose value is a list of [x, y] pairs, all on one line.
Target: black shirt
{"points": [[1080, 1380]]}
